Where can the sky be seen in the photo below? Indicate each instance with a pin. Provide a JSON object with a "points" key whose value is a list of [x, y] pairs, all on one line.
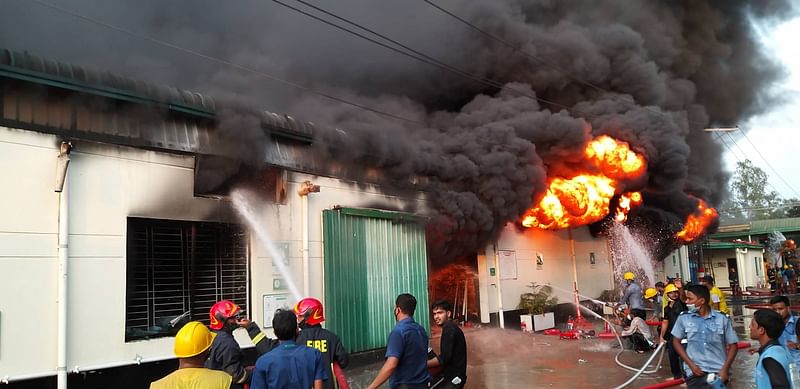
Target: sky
{"points": [[775, 133]]}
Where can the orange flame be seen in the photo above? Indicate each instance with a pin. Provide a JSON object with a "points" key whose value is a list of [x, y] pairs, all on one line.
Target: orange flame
{"points": [[625, 203], [585, 198], [697, 223], [579, 200], [615, 159]]}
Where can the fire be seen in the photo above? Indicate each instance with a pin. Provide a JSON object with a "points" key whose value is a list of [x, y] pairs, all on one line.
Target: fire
{"points": [[579, 200], [625, 203], [615, 159], [585, 198], [697, 222]]}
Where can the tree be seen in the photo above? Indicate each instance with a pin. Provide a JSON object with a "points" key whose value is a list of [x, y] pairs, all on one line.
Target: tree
{"points": [[790, 208], [749, 195]]}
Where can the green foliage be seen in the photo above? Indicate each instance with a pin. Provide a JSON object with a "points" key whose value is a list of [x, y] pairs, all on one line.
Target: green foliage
{"points": [[539, 300], [750, 197]]}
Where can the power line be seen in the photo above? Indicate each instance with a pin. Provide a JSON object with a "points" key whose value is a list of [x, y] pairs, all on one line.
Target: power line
{"points": [[517, 49], [722, 140], [226, 62], [417, 55], [551, 64], [735, 144], [769, 165]]}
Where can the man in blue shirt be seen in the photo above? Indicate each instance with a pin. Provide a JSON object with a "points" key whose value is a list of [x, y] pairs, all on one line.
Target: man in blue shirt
{"points": [[633, 296], [711, 342], [406, 364], [772, 368], [290, 365], [788, 337]]}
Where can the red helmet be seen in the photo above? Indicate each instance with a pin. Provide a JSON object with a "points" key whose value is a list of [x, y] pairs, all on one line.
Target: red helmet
{"points": [[222, 311], [311, 310]]}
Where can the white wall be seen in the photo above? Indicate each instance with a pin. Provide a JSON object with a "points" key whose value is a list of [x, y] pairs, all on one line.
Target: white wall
{"points": [[108, 184], [676, 264], [746, 261], [285, 226], [556, 269]]}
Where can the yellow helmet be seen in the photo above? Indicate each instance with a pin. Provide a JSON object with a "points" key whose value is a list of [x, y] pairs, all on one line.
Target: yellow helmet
{"points": [[670, 288], [650, 292], [192, 339], [629, 276]]}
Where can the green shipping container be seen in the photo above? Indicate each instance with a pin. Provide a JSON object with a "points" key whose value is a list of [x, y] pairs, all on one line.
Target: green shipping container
{"points": [[371, 256]]}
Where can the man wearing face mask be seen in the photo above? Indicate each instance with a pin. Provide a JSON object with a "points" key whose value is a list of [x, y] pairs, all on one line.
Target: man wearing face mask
{"points": [[672, 309], [406, 365], [711, 341]]}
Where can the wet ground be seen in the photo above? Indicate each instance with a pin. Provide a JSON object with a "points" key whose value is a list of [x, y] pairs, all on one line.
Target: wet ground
{"points": [[511, 359]]}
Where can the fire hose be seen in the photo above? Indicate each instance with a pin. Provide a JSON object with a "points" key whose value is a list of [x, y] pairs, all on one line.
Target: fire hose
{"points": [[643, 370], [659, 350]]}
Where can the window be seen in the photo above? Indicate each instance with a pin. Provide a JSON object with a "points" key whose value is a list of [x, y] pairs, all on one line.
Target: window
{"points": [[176, 270], [758, 267]]}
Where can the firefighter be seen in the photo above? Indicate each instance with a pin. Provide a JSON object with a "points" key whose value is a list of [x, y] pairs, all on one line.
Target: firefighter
{"points": [[651, 295], [309, 318], [191, 347], [226, 355], [633, 296]]}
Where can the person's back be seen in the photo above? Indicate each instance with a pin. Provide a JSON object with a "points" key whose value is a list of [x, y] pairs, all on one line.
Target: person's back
{"points": [[329, 345], [194, 378], [192, 343], [288, 366], [310, 314]]}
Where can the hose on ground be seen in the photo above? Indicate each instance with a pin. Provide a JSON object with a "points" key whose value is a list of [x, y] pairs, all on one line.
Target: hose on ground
{"points": [[638, 373]]}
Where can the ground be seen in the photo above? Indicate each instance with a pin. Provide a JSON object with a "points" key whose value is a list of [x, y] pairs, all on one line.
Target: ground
{"points": [[508, 358]]}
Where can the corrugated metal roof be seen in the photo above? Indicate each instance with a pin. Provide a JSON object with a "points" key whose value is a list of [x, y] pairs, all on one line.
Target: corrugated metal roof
{"points": [[29, 67], [158, 117], [787, 224], [731, 245], [757, 227]]}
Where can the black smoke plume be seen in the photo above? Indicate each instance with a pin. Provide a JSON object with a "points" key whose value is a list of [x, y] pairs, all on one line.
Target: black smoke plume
{"points": [[650, 73]]}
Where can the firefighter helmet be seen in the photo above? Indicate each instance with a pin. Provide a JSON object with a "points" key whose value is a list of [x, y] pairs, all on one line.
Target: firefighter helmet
{"points": [[311, 310], [192, 339], [650, 292], [221, 312], [629, 276], [670, 288]]}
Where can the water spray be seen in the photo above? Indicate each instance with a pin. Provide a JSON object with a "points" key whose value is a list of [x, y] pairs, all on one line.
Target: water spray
{"points": [[247, 212], [639, 371]]}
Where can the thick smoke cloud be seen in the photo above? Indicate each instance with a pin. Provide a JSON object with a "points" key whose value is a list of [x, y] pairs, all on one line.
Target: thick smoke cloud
{"points": [[650, 73]]}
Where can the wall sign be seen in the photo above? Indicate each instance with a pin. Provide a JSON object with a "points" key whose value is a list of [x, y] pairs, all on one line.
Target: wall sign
{"points": [[508, 264], [539, 261], [273, 302]]}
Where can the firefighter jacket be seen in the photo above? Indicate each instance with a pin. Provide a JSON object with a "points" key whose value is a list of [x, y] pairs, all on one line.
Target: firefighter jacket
{"points": [[329, 345], [226, 355]]}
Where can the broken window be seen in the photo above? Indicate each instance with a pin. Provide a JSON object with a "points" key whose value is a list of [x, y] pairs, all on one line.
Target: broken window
{"points": [[176, 270]]}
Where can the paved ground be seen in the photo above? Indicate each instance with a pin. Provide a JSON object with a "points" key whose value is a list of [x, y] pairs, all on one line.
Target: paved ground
{"points": [[511, 359]]}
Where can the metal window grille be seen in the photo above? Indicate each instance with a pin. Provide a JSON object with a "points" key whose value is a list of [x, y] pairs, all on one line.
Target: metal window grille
{"points": [[176, 270]]}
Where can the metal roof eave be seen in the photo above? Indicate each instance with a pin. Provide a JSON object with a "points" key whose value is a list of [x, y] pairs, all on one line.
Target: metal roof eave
{"points": [[45, 79]]}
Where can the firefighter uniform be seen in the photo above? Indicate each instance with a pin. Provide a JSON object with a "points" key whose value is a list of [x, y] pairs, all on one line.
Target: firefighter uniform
{"points": [[226, 355], [329, 345]]}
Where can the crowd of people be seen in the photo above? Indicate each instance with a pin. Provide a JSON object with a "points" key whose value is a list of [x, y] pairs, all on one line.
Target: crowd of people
{"points": [[305, 355], [697, 330]]}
